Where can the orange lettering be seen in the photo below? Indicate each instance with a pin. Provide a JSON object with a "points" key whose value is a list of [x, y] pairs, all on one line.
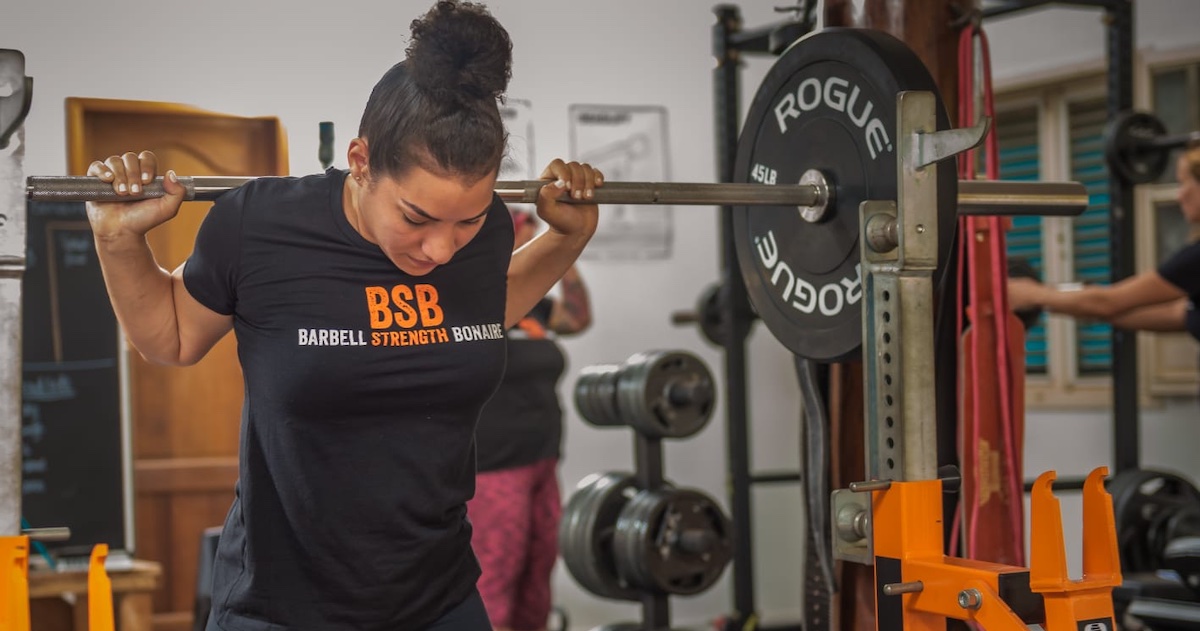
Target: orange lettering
{"points": [[377, 306], [406, 317], [427, 302]]}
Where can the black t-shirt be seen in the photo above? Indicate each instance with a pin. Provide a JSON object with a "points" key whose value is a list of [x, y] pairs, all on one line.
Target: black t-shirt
{"points": [[363, 385], [522, 423], [1183, 271]]}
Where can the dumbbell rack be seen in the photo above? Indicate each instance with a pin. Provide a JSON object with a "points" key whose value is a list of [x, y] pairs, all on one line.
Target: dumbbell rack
{"points": [[635, 536], [648, 469]]}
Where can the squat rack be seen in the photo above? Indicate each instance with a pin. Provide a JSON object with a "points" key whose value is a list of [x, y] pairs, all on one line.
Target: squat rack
{"points": [[729, 43]]}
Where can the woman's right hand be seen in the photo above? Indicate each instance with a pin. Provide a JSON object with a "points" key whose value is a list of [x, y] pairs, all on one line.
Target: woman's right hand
{"points": [[128, 173]]}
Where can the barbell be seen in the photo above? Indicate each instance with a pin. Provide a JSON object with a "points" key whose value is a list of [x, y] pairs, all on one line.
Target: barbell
{"points": [[819, 139], [975, 197], [1137, 146]]}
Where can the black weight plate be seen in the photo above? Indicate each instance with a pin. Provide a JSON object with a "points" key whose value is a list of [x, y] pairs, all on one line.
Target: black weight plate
{"points": [[711, 311], [1143, 503], [673, 541], [585, 533], [1125, 148], [665, 394], [829, 103], [595, 395]]}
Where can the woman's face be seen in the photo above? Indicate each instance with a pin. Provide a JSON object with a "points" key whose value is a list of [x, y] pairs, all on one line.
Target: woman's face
{"points": [[421, 219], [1189, 191]]}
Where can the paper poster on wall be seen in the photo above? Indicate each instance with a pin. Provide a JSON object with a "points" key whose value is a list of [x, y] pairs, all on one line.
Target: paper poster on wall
{"points": [[518, 163], [627, 143]]}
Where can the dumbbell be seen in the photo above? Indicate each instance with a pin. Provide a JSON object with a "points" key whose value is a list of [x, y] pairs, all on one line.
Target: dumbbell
{"points": [[661, 394]]}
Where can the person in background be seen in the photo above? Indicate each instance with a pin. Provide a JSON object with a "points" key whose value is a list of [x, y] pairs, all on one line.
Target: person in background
{"points": [[516, 508], [1164, 299]]}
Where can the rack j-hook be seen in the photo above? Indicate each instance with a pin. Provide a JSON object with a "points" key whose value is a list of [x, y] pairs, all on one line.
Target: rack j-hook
{"points": [[14, 106]]}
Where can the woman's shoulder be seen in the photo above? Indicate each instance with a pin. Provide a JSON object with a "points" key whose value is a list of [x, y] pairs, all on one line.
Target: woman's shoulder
{"points": [[272, 199], [1183, 267], [1189, 253], [270, 189]]}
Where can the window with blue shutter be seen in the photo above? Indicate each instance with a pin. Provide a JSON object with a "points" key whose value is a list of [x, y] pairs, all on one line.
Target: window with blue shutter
{"points": [[1086, 119], [1017, 135], [1176, 93]]}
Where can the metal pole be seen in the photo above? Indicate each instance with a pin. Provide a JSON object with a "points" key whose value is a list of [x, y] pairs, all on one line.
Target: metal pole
{"points": [[648, 467], [737, 317], [12, 268], [1126, 438], [975, 197], [899, 359]]}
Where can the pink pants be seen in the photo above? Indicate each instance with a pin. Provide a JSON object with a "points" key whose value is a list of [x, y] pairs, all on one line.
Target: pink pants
{"points": [[515, 516]]}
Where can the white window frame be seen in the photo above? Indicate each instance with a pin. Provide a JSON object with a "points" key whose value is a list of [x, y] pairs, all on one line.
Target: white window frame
{"points": [[1160, 374], [1167, 362], [1061, 386]]}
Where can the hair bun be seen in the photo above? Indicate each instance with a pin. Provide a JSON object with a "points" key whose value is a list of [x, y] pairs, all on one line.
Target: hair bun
{"points": [[460, 52]]}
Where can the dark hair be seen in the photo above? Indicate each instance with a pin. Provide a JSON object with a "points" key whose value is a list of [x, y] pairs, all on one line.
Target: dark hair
{"points": [[438, 109]]}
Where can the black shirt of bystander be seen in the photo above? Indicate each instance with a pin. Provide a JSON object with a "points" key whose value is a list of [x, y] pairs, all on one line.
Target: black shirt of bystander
{"points": [[1183, 271], [522, 423]]}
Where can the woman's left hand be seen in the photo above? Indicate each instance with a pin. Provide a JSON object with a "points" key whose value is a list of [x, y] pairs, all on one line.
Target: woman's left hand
{"points": [[578, 182]]}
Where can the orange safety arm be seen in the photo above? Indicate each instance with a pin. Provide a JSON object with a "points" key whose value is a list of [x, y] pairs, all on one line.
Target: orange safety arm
{"points": [[14, 583], [100, 601]]}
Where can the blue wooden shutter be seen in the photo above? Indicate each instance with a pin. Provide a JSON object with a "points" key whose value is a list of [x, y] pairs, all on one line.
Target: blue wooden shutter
{"points": [[1017, 134], [1086, 120]]}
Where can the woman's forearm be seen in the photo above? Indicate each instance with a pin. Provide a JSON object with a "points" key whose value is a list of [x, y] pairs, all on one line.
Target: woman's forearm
{"points": [[1165, 317], [1086, 302], [142, 296]]}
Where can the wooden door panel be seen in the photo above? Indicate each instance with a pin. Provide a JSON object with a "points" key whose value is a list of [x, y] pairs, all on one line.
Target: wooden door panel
{"points": [[185, 420], [150, 519], [193, 412]]}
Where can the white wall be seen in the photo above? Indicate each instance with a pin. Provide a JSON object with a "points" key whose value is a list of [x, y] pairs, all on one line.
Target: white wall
{"points": [[1046, 39], [307, 61]]}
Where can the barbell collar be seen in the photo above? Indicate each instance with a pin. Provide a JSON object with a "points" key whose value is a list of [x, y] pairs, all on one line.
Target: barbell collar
{"points": [[975, 197]]}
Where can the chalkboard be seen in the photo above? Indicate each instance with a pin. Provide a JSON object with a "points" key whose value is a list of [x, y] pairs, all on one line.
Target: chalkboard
{"points": [[73, 438]]}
